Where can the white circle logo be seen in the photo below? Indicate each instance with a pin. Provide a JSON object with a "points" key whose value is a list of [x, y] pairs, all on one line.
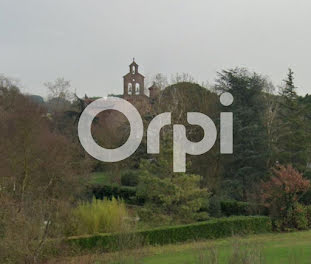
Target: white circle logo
{"points": [[85, 125]]}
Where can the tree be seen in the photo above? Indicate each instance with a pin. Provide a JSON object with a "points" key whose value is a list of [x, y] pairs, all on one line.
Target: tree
{"points": [[289, 90], [179, 197], [305, 103], [159, 79], [182, 77], [9, 90], [59, 94], [40, 175], [272, 107], [7, 83], [184, 97], [247, 166], [291, 142], [175, 195], [60, 88]]}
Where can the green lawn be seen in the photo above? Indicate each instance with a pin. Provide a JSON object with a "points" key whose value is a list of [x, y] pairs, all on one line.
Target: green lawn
{"points": [[101, 178], [273, 248]]}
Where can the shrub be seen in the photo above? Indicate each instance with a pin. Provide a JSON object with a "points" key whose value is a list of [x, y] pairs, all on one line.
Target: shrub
{"points": [[299, 217], [129, 178], [229, 208], [202, 216], [125, 193], [179, 196], [281, 195], [152, 218], [296, 218], [308, 214], [99, 216], [222, 227], [284, 190], [306, 198], [213, 207]]}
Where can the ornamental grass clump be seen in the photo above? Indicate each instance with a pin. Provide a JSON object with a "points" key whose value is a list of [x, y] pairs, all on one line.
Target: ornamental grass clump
{"points": [[100, 216]]}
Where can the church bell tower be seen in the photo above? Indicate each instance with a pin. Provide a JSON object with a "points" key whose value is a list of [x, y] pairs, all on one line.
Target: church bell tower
{"points": [[133, 81]]}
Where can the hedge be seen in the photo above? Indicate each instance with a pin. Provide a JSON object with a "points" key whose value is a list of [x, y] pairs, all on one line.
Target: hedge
{"points": [[221, 227], [229, 208]]}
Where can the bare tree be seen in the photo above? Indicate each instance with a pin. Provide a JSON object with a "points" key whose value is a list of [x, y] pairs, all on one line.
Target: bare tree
{"points": [[59, 94], [60, 88], [38, 169], [270, 118], [8, 83], [182, 77]]}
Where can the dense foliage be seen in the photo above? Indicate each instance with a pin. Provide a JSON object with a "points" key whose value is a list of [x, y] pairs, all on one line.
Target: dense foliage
{"points": [[231, 207]]}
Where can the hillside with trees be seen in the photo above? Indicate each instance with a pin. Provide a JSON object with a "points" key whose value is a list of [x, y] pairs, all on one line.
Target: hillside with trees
{"points": [[51, 189]]}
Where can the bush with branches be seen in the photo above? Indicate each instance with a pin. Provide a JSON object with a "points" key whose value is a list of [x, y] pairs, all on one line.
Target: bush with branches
{"points": [[281, 195]]}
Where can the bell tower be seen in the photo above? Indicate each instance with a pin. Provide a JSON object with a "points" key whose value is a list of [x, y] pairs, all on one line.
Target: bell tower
{"points": [[133, 81]]}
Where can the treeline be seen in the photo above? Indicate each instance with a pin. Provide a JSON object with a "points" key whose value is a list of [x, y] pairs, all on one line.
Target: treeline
{"points": [[42, 174], [271, 130], [271, 127], [44, 169]]}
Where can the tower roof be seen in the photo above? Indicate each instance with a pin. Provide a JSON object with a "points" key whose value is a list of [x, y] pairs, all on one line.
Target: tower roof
{"points": [[153, 86], [133, 70], [133, 63]]}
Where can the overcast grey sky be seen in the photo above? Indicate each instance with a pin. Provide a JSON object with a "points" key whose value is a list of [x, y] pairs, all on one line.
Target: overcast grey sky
{"points": [[92, 42]]}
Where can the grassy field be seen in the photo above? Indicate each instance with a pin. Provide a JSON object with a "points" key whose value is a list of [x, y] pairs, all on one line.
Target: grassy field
{"points": [[269, 248]]}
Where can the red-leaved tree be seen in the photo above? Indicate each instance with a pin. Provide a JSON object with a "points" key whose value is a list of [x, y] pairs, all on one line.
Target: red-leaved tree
{"points": [[282, 192]]}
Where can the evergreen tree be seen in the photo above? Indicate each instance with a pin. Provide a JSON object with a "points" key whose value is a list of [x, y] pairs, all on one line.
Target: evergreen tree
{"points": [[292, 140], [289, 91], [247, 166]]}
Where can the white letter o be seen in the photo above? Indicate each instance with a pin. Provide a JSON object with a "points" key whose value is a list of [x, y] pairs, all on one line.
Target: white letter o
{"points": [[85, 125]]}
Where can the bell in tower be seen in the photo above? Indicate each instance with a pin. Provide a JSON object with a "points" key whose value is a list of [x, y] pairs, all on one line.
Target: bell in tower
{"points": [[133, 81]]}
